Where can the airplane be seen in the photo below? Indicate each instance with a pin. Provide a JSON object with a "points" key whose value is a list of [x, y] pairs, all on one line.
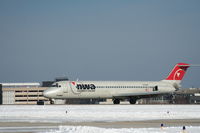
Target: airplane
{"points": [[117, 90]]}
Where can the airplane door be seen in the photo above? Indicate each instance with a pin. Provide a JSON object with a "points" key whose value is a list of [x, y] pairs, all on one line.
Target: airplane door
{"points": [[73, 88], [155, 88], [65, 88]]}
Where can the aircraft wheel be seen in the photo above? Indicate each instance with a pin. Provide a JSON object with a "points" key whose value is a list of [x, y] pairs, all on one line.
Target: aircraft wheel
{"points": [[132, 101], [116, 101], [51, 101]]}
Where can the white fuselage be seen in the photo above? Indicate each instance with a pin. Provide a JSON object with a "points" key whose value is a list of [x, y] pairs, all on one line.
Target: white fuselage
{"points": [[107, 89]]}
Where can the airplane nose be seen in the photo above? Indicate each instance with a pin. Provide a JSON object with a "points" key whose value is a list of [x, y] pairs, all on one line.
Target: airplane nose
{"points": [[46, 93], [49, 93]]}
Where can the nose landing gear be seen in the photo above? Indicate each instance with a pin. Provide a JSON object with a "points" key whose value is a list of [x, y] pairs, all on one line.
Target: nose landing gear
{"points": [[52, 101]]}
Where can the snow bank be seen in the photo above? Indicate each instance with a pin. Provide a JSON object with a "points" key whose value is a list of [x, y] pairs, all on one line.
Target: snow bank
{"points": [[86, 129]]}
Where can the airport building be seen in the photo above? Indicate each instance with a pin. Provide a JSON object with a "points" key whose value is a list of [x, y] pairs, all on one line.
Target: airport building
{"points": [[22, 93], [182, 96], [27, 93]]}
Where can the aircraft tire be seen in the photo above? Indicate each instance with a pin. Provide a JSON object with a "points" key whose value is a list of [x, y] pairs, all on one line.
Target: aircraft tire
{"points": [[132, 101], [116, 101], [51, 101]]}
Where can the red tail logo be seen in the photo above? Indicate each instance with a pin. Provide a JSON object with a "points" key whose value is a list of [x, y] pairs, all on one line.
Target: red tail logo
{"points": [[178, 71], [73, 83]]}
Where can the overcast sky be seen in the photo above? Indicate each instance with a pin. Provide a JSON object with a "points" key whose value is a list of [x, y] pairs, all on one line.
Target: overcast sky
{"points": [[98, 40]]}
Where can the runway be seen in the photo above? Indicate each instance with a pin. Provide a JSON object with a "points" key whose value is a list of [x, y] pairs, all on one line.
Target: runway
{"points": [[86, 118]]}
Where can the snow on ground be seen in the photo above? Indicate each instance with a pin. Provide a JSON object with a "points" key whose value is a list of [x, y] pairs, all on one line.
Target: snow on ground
{"points": [[100, 113], [85, 129]]}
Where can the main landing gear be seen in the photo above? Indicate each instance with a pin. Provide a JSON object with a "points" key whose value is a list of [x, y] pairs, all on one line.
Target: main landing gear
{"points": [[116, 101], [132, 100]]}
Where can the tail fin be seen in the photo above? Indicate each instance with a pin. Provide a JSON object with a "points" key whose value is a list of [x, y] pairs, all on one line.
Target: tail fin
{"points": [[178, 72]]}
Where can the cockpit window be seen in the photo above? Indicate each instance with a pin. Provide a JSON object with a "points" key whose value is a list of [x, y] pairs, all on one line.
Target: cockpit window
{"points": [[56, 85]]}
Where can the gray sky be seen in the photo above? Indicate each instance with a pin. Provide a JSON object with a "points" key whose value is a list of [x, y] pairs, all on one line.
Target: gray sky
{"points": [[98, 40]]}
